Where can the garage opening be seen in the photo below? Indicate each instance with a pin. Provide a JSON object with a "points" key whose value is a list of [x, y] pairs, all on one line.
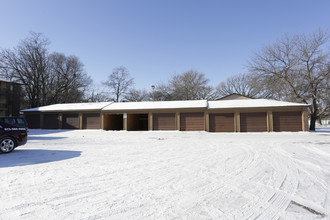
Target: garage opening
{"points": [[137, 122], [253, 122], [51, 121], [287, 121], [113, 122], [222, 122], [33, 121]]}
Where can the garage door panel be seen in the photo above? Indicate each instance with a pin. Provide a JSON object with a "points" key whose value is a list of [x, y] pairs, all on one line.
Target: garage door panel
{"points": [[222, 122], [253, 122], [70, 121], [192, 121], [287, 121], [51, 121], [164, 121], [91, 121]]}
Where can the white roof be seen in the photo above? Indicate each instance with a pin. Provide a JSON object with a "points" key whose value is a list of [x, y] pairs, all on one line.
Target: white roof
{"points": [[122, 106], [251, 103], [69, 107], [156, 105], [7, 81]]}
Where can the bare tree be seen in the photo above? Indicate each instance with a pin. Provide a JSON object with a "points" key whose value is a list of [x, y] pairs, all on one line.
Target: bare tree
{"points": [[46, 78], [301, 64], [162, 92], [28, 64], [96, 93], [253, 86], [190, 85], [242, 84], [119, 82], [134, 95], [67, 79]]}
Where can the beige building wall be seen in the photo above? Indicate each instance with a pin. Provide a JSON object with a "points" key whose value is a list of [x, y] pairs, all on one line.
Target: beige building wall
{"points": [[105, 120]]}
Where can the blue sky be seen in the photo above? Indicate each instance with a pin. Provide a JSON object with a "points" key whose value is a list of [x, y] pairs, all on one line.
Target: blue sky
{"points": [[155, 39]]}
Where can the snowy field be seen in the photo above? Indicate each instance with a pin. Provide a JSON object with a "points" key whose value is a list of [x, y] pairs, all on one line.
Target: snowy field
{"points": [[95, 174]]}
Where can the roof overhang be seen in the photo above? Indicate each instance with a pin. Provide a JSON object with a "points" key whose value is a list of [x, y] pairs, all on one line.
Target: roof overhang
{"points": [[97, 106], [251, 103], [158, 105]]}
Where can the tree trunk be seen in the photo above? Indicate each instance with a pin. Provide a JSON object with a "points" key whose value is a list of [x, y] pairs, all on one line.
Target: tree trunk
{"points": [[312, 125], [314, 115]]}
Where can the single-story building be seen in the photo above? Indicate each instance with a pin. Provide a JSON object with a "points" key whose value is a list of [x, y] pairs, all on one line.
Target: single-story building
{"points": [[66, 116], [232, 114], [160, 115], [255, 115]]}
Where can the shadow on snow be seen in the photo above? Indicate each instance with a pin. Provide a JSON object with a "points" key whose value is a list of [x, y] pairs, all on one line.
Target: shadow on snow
{"points": [[323, 129], [33, 137], [30, 157], [47, 131], [36, 134]]}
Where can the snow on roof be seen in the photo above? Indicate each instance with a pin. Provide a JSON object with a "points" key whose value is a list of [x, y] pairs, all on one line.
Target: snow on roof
{"points": [[252, 103], [220, 104], [69, 107], [8, 81], [156, 105]]}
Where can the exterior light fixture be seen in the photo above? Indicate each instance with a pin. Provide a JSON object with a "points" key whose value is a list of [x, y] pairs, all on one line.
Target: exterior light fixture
{"points": [[153, 93]]}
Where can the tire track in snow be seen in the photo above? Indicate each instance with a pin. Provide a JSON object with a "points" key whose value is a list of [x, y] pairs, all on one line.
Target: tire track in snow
{"points": [[166, 182], [271, 201], [210, 191], [284, 189]]}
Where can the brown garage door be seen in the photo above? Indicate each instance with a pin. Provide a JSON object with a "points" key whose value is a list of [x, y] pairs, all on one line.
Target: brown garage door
{"points": [[51, 121], [287, 121], [223, 122], [70, 121], [33, 121], [91, 121], [163, 121], [192, 121], [253, 122]]}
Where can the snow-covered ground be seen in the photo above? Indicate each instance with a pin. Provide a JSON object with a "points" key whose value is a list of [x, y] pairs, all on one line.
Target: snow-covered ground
{"points": [[95, 174]]}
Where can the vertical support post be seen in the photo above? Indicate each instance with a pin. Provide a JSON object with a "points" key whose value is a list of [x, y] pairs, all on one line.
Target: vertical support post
{"points": [[102, 121], [41, 120], [270, 122], [177, 119], [237, 121], [60, 120], [150, 120], [80, 121], [207, 121], [125, 121], [304, 118]]}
